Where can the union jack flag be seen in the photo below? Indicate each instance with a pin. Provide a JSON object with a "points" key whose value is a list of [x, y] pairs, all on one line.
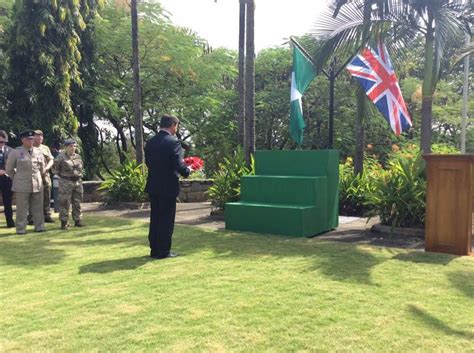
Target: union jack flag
{"points": [[374, 71]]}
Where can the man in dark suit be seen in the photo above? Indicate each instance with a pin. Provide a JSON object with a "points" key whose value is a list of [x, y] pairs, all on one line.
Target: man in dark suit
{"points": [[163, 158], [5, 181]]}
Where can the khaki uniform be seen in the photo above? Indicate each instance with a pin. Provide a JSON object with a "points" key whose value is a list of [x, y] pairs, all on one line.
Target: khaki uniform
{"points": [[26, 168], [69, 169], [47, 184]]}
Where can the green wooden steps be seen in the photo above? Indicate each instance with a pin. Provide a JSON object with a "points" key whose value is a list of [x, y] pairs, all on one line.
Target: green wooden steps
{"points": [[294, 193]]}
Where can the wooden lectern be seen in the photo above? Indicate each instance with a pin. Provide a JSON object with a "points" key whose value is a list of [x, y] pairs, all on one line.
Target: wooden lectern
{"points": [[449, 198]]}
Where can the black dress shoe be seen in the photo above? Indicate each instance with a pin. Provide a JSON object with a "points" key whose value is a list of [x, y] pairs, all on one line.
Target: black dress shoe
{"points": [[11, 224], [170, 255]]}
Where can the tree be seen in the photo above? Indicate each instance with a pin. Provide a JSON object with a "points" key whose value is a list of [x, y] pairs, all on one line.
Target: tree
{"points": [[5, 22], [250, 79], [83, 100], [137, 97], [180, 74], [44, 57], [241, 84], [400, 21]]}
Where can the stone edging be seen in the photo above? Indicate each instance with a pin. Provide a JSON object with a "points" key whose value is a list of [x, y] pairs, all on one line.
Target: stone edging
{"points": [[193, 190], [126, 206], [406, 232]]}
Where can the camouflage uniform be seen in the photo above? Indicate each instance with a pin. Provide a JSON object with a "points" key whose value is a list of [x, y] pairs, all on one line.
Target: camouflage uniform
{"points": [[25, 167], [69, 169]]}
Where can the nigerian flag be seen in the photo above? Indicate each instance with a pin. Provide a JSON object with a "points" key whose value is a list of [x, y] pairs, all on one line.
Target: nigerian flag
{"points": [[302, 75]]}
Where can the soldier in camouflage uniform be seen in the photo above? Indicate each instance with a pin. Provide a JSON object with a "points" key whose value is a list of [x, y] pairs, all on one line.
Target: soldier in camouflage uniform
{"points": [[68, 166], [25, 165], [49, 160]]}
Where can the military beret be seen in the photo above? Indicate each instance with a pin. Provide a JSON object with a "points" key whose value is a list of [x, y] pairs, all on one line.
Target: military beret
{"points": [[38, 132], [27, 134], [69, 142]]}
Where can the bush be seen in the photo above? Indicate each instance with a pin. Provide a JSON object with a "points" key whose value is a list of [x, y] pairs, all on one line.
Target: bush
{"points": [[126, 184], [399, 194], [226, 181], [353, 189]]}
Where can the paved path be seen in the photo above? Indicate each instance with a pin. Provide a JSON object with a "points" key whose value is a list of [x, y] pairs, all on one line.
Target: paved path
{"points": [[351, 229]]}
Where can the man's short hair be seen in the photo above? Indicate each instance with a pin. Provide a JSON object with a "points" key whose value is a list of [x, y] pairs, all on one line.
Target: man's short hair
{"points": [[168, 121], [4, 134]]}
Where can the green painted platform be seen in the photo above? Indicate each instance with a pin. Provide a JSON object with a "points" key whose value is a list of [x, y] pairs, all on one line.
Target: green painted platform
{"points": [[293, 193]]}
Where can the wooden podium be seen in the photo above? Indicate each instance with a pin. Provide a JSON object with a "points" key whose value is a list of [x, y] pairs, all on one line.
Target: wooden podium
{"points": [[449, 198]]}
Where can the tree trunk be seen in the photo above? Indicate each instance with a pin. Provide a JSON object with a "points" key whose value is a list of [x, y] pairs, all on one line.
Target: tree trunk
{"points": [[427, 94], [332, 80], [241, 86], [250, 79], [136, 85], [360, 131]]}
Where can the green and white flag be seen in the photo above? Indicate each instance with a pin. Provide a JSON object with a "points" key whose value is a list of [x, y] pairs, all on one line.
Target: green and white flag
{"points": [[302, 75]]}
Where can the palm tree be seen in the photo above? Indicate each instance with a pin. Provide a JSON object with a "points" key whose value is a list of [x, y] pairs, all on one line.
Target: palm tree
{"points": [[137, 97], [250, 79], [347, 27], [246, 85], [241, 88]]}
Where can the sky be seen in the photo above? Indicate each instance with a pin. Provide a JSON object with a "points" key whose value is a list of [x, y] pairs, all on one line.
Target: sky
{"points": [[218, 22]]}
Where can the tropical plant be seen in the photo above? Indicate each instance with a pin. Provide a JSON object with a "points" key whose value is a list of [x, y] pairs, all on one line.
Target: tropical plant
{"points": [[44, 56], [226, 181], [126, 184], [354, 187], [399, 194], [350, 25]]}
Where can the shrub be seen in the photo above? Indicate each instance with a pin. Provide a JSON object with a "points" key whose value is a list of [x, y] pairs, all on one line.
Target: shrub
{"points": [[126, 184], [399, 194], [226, 181], [353, 189]]}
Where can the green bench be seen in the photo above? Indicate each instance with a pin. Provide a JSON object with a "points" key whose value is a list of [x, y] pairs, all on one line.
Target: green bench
{"points": [[293, 193]]}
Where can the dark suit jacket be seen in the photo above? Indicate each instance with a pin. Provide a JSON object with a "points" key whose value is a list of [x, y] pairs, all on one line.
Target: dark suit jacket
{"points": [[7, 151], [164, 162]]}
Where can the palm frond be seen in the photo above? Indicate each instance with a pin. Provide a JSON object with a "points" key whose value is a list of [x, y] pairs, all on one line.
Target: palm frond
{"points": [[449, 26], [358, 23], [463, 52]]}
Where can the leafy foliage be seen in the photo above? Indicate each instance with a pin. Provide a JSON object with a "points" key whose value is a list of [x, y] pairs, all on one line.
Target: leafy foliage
{"points": [[126, 184], [354, 188], [44, 55], [180, 75], [399, 194], [226, 181]]}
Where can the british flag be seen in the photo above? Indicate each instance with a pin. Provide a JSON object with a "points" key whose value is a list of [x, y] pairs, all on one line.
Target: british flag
{"points": [[374, 71]]}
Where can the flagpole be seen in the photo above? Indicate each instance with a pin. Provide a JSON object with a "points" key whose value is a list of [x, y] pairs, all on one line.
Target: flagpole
{"points": [[305, 53]]}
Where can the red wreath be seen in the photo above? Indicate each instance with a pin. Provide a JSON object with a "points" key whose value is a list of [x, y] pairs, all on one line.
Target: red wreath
{"points": [[195, 163]]}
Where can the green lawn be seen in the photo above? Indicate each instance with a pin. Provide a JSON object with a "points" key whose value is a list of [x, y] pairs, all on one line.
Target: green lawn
{"points": [[94, 289]]}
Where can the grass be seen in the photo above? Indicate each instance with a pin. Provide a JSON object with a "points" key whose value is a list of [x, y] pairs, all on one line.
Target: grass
{"points": [[94, 289]]}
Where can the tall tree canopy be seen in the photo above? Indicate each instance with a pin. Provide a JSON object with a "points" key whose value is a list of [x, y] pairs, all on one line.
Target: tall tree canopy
{"points": [[44, 62]]}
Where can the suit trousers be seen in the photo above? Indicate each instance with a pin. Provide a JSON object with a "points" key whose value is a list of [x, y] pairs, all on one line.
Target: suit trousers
{"points": [[7, 196], [25, 200], [162, 216]]}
